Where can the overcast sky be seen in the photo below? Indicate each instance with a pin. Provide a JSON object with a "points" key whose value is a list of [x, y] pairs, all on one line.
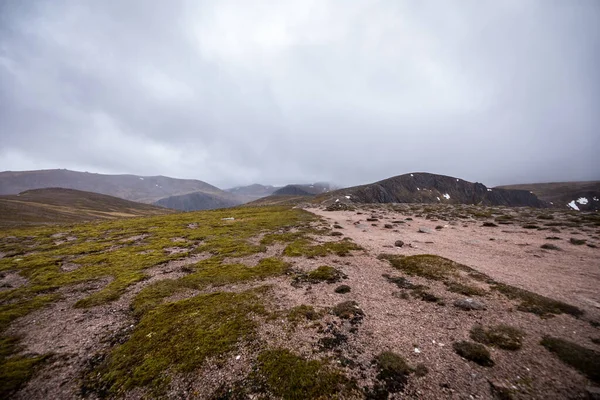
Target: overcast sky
{"points": [[237, 92]]}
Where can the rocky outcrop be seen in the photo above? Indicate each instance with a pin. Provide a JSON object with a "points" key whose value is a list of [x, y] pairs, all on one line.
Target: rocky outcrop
{"points": [[438, 189]]}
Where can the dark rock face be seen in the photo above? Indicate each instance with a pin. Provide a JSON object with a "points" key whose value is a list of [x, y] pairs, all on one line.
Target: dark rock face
{"points": [[438, 189], [292, 190]]}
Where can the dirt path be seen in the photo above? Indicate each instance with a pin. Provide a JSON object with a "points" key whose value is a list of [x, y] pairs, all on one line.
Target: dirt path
{"points": [[514, 256]]}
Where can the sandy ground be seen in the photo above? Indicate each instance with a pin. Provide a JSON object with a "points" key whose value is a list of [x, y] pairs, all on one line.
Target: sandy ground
{"points": [[514, 256]]}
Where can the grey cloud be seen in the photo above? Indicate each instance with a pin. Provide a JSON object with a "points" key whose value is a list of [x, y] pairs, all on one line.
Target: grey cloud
{"points": [[236, 92]]}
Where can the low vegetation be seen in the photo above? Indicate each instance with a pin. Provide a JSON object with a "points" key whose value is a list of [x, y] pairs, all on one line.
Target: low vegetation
{"points": [[392, 370], [474, 352], [502, 336], [581, 358], [291, 377]]}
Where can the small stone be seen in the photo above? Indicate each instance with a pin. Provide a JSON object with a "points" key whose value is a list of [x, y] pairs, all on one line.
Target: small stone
{"points": [[424, 230], [469, 304], [388, 226], [398, 243]]}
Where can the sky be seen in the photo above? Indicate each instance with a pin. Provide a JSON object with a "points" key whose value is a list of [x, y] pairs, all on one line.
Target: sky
{"points": [[297, 91]]}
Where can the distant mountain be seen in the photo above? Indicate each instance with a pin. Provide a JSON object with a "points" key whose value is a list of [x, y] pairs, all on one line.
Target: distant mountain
{"points": [[584, 196], [303, 190], [252, 192], [57, 205], [145, 189], [431, 188], [198, 201]]}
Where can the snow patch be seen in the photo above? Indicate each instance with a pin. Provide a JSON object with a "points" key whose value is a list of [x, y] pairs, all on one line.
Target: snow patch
{"points": [[141, 179], [447, 196], [418, 189], [411, 175], [582, 200], [348, 197], [337, 200], [573, 205], [456, 179], [489, 190], [438, 199], [595, 199]]}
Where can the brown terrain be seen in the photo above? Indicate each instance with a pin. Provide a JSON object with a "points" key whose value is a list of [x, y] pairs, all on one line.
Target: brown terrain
{"points": [[395, 332]]}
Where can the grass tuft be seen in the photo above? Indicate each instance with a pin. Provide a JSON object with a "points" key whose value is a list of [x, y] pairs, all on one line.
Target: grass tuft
{"points": [[393, 370], [581, 358], [502, 336], [474, 352]]}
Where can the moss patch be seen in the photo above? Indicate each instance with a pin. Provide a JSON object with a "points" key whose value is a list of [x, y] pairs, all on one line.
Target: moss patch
{"points": [[467, 290], [179, 337], [303, 312], [290, 377], [535, 303], [304, 247], [502, 336], [348, 310], [581, 358], [16, 370], [474, 352], [392, 370], [324, 273]]}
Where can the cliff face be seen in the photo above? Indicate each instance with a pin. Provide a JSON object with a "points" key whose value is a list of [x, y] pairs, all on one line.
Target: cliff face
{"points": [[432, 188]]}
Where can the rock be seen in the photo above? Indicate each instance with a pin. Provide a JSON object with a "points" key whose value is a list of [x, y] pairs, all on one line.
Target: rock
{"points": [[593, 392], [388, 226], [424, 230], [469, 304], [501, 391], [398, 243]]}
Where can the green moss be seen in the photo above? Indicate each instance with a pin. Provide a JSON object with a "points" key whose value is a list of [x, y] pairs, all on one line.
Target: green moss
{"points": [[581, 358], [303, 247], [179, 337], [303, 313], [467, 290], [535, 303], [290, 377], [206, 273], [15, 371], [427, 266], [324, 273], [502, 336], [348, 310], [392, 370], [474, 352]]}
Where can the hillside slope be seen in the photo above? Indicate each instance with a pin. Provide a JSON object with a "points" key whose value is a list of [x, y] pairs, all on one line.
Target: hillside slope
{"points": [[585, 196], [303, 189], [145, 189], [431, 188], [252, 192], [56, 205], [199, 201]]}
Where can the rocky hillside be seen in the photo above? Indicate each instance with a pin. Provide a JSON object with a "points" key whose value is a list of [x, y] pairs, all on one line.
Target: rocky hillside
{"points": [[431, 188], [252, 192], [583, 196], [199, 201], [303, 190], [56, 205], [145, 189]]}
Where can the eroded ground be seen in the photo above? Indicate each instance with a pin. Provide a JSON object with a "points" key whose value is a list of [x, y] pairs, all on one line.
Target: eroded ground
{"points": [[276, 302]]}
